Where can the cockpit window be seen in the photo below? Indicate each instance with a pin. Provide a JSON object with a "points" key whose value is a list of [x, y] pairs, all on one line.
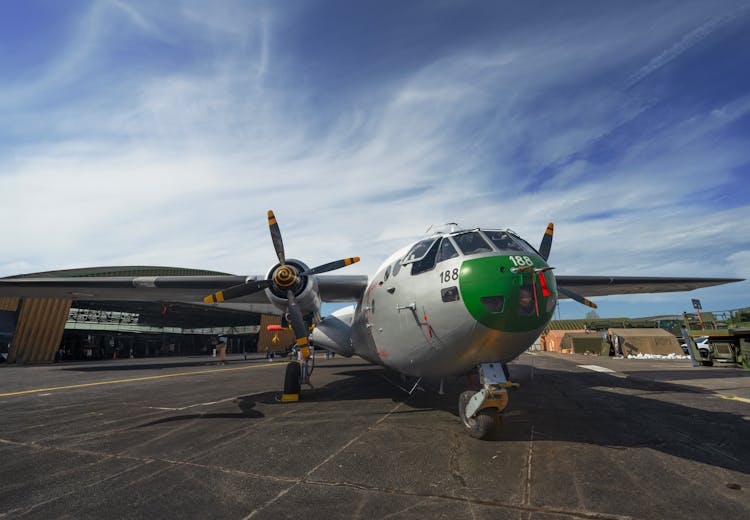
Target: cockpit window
{"points": [[446, 250], [503, 241], [525, 245], [418, 251], [396, 267], [427, 262], [471, 243]]}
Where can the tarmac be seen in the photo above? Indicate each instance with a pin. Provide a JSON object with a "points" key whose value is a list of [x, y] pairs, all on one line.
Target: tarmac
{"points": [[186, 438]]}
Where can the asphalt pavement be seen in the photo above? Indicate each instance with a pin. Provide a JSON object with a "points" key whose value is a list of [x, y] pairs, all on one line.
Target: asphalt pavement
{"points": [[583, 438]]}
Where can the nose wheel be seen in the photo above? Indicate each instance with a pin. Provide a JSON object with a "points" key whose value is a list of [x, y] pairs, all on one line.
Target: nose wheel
{"points": [[484, 423], [480, 410]]}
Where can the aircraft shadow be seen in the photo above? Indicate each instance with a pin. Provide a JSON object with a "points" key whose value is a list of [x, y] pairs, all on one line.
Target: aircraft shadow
{"points": [[589, 408], [716, 372], [609, 411], [245, 403]]}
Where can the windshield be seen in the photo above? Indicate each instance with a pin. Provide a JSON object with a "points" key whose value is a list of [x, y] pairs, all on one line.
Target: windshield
{"points": [[472, 243], [503, 241], [525, 245]]}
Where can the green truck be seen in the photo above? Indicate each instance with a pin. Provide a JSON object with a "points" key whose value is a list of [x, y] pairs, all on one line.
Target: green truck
{"points": [[728, 338]]}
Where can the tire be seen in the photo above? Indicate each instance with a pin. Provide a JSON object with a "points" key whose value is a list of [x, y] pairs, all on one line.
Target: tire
{"points": [[291, 378], [483, 424]]}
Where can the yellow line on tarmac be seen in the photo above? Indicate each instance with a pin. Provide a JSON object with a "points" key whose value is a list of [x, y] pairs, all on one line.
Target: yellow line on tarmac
{"points": [[735, 398], [130, 380]]}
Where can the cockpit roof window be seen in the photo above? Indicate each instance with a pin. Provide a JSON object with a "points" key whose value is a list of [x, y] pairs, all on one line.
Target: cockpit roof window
{"points": [[418, 251], [471, 243], [503, 241]]}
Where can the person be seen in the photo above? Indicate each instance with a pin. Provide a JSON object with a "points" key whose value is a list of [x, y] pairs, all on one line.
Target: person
{"points": [[221, 347], [616, 344]]}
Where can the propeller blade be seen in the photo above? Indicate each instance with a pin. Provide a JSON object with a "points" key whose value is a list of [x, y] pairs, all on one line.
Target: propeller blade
{"points": [[249, 287], [577, 297], [332, 266], [546, 245], [278, 244], [298, 322]]}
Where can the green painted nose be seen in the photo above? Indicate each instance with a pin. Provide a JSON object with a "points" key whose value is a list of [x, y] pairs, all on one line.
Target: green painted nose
{"points": [[506, 293]]}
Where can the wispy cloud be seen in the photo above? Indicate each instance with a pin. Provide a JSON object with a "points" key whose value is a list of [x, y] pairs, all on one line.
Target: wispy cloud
{"points": [[160, 135]]}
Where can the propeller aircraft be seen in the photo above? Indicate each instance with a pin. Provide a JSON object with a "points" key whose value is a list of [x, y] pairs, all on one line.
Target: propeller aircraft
{"points": [[458, 301]]}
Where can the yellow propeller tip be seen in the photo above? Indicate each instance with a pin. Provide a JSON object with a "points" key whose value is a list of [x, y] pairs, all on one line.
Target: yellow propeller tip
{"points": [[355, 259], [270, 213]]}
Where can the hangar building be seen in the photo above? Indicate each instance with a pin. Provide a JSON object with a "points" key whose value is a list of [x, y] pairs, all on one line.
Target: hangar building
{"points": [[43, 329]]}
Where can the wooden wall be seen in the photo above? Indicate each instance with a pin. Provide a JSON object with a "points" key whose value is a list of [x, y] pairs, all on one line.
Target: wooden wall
{"points": [[265, 336], [8, 303], [39, 329]]}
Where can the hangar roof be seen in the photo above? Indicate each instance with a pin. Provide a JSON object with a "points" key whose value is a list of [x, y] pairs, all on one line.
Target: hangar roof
{"points": [[128, 270]]}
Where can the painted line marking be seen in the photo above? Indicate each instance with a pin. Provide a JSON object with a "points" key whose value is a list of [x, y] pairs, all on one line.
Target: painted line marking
{"points": [[596, 368], [735, 398], [132, 379], [181, 408]]}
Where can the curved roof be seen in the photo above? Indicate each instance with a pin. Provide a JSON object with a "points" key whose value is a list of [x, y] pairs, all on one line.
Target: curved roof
{"points": [[127, 270]]}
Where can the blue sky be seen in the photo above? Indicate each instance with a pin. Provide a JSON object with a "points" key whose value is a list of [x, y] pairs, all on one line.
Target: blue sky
{"points": [[160, 133]]}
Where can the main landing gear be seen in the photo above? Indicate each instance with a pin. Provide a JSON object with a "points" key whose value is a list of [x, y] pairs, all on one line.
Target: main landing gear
{"points": [[292, 382], [297, 373], [480, 410]]}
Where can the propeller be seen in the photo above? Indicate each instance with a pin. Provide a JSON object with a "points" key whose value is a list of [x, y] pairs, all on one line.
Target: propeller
{"points": [[278, 244], [250, 286], [283, 280], [544, 250], [577, 297], [546, 245]]}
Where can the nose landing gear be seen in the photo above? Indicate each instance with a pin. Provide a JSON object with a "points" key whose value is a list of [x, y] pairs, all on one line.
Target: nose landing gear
{"points": [[480, 411]]}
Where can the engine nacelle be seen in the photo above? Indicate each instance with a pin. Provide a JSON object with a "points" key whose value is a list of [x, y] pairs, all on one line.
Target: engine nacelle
{"points": [[306, 292], [334, 332]]}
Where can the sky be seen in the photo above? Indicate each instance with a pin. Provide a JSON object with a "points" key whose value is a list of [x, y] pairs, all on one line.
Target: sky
{"points": [[160, 133]]}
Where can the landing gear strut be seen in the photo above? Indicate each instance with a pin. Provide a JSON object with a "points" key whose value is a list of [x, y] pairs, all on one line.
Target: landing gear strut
{"points": [[480, 411]]}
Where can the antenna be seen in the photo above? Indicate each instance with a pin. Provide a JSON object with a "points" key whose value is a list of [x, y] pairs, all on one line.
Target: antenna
{"points": [[448, 227]]}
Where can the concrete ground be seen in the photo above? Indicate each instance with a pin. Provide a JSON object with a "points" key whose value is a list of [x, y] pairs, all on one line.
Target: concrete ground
{"points": [[182, 437]]}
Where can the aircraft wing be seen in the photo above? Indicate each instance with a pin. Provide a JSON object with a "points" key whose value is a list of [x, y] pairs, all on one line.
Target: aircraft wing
{"points": [[187, 289], [607, 285]]}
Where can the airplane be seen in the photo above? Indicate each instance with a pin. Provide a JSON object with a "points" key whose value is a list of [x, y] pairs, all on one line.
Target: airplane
{"points": [[455, 302]]}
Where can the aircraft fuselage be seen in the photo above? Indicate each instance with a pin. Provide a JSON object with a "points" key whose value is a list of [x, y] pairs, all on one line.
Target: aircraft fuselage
{"points": [[439, 311]]}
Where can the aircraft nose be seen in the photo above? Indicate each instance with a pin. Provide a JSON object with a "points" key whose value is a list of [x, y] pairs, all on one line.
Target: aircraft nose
{"points": [[503, 297]]}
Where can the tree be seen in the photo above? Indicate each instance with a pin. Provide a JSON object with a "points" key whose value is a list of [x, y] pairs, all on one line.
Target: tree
{"points": [[592, 315]]}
